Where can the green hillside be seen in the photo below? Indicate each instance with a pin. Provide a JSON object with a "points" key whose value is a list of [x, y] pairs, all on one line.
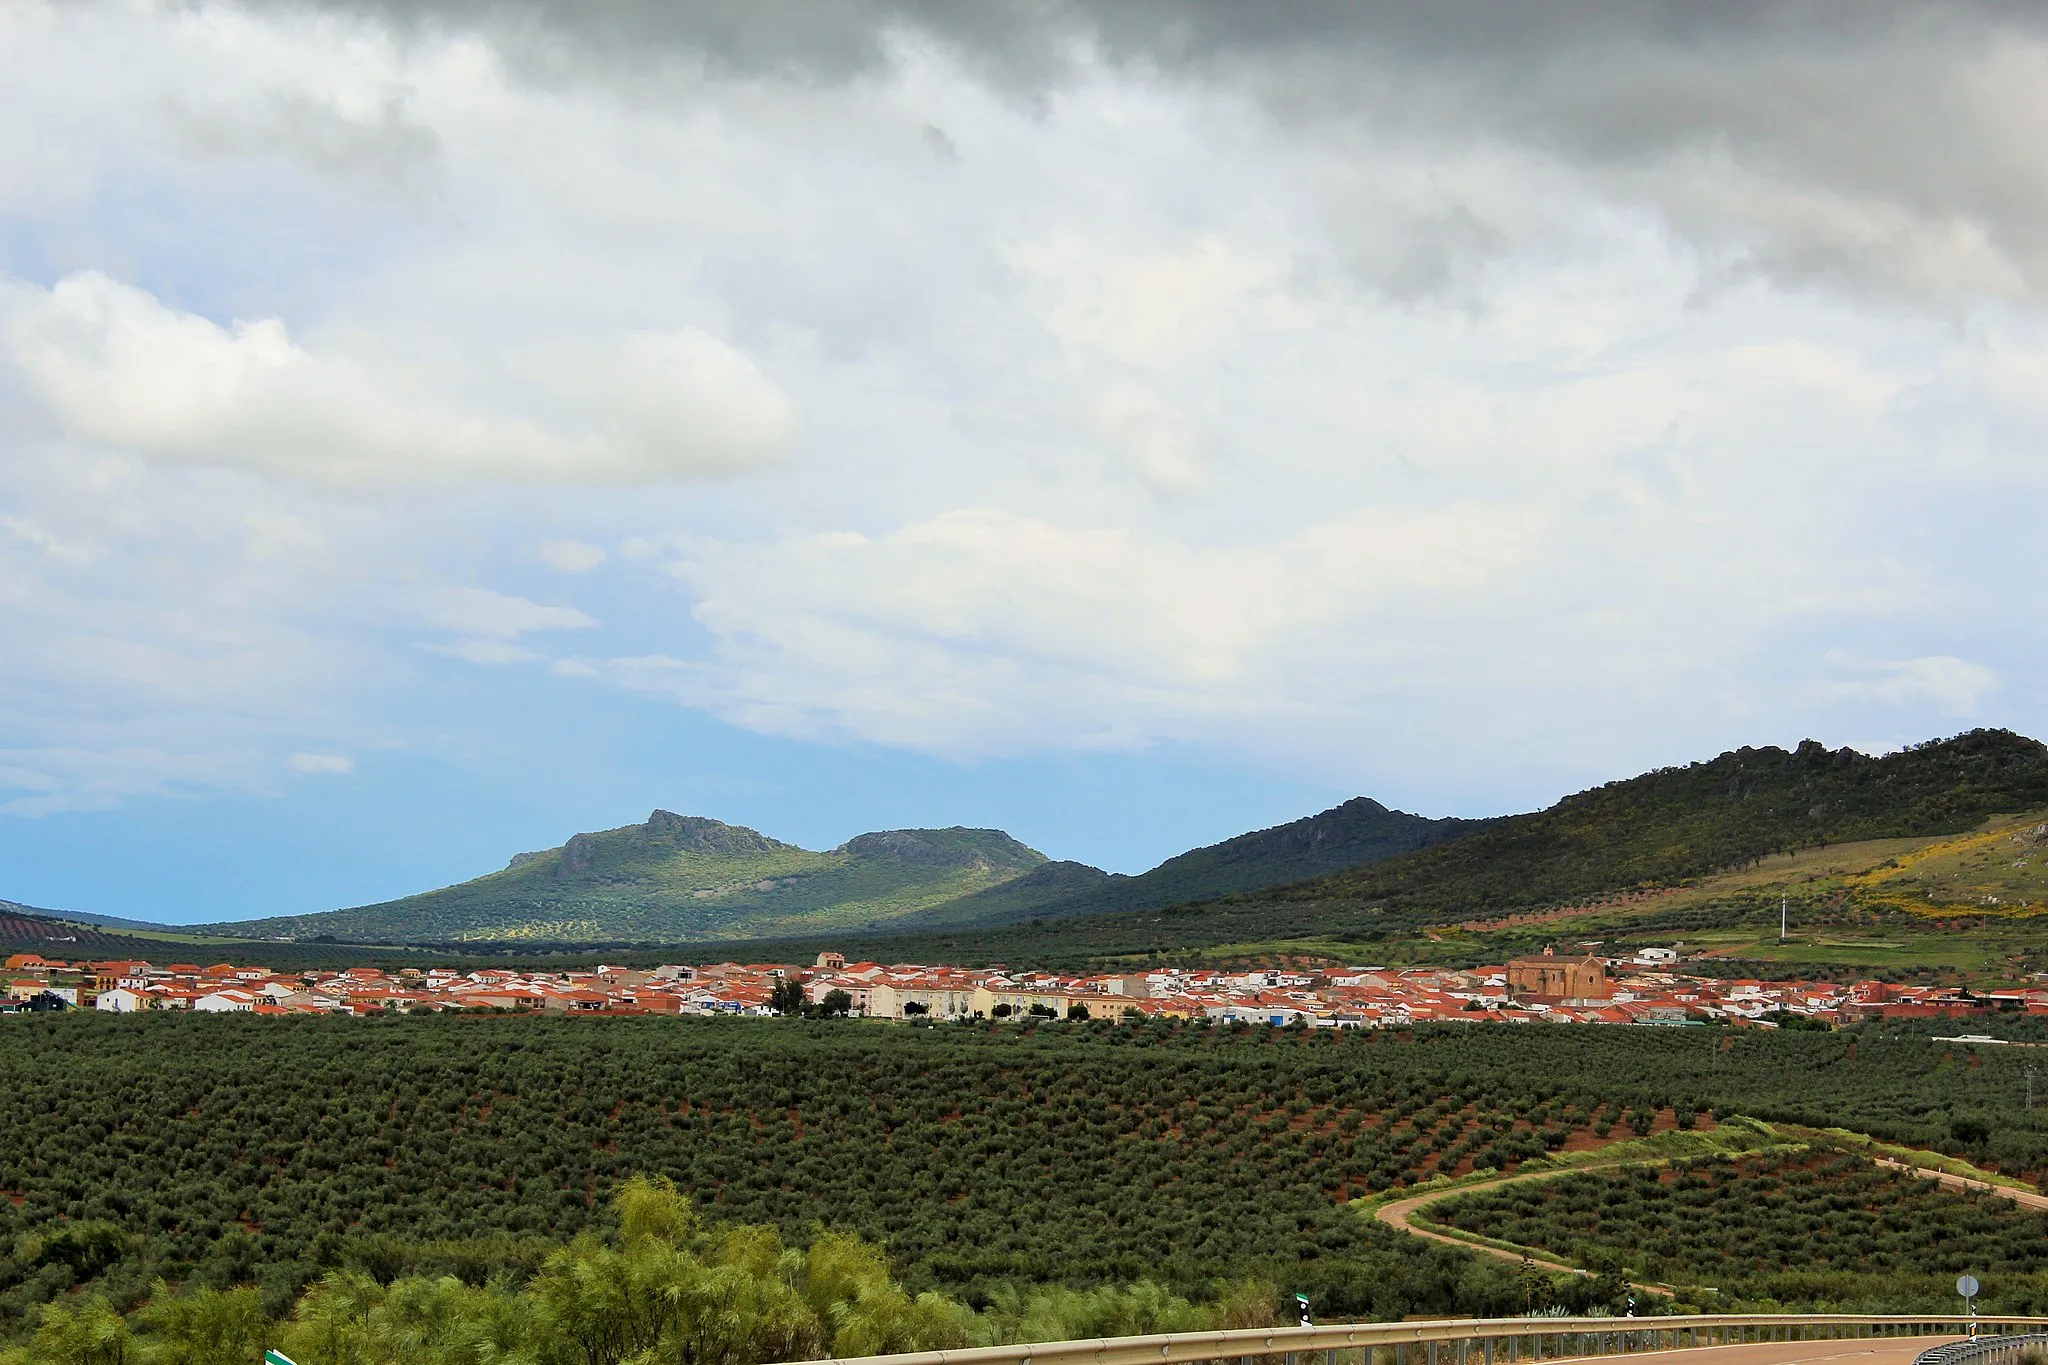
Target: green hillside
{"points": [[1676, 824], [1665, 828], [680, 878], [1358, 832], [683, 879]]}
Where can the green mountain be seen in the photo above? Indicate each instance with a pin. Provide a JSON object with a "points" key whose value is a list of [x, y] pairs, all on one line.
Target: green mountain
{"points": [[1359, 872], [1662, 829], [682, 879], [1359, 832], [679, 878]]}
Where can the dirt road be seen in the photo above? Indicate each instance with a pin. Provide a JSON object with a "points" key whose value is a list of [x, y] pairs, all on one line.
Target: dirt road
{"points": [[2026, 1199], [1400, 1213]]}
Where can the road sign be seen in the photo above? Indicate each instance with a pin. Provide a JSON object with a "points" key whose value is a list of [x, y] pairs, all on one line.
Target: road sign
{"points": [[277, 1358], [1301, 1303], [1967, 1286]]}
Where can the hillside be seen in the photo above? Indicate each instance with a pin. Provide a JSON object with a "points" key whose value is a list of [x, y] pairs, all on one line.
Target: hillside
{"points": [[1358, 832], [1676, 824], [98, 921], [678, 878], [683, 879], [24, 928], [1668, 828]]}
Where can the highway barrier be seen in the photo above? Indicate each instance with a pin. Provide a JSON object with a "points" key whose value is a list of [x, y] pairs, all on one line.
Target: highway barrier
{"points": [[1472, 1341], [2006, 1348]]}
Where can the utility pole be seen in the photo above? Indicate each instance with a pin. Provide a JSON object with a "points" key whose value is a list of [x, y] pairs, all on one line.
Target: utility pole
{"points": [[1784, 914]]}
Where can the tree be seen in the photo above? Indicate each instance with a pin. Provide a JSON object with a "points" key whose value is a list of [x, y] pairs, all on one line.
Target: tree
{"points": [[207, 1326], [787, 997], [87, 1333], [836, 1004], [1077, 1010]]}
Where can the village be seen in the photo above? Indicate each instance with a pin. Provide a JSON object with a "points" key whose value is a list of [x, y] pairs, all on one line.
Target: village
{"points": [[1648, 988]]}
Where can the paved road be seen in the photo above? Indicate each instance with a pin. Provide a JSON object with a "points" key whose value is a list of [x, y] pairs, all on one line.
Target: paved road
{"points": [[1887, 1351]]}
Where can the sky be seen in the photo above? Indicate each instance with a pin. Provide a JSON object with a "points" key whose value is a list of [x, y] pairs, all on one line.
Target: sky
{"points": [[429, 428]]}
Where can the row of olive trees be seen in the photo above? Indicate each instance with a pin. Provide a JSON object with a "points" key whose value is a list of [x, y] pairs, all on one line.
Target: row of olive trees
{"points": [[666, 1290]]}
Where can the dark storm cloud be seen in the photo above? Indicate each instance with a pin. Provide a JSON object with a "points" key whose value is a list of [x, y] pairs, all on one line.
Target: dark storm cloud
{"points": [[1891, 148]]}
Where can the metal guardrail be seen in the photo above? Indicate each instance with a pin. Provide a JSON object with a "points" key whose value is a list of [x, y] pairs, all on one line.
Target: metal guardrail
{"points": [[1996, 1349], [1464, 1341]]}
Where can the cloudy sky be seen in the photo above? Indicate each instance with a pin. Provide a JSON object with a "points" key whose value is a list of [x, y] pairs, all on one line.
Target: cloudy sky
{"points": [[428, 428]]}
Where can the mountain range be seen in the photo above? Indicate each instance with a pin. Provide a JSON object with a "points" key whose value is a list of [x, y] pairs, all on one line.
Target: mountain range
{"points": [[1681, 832], [1358, 872], [683, 878]]}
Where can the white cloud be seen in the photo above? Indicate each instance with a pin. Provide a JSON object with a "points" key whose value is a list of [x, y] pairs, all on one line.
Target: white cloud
{"points": [[486, 652], [489, 624], [333, 765], [1353, 426], [51, 781], [120, 370], [981, 630], [481, 612], [1956, 686], [570, 556]]}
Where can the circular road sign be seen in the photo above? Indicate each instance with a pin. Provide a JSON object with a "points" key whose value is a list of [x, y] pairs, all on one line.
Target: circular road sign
{"points": [[1967, 1286]]}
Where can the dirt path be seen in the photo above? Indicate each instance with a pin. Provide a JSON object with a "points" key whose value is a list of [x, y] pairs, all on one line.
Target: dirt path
{"points": [[1398, 1214], [2026, 1199], [1401, 1212]]}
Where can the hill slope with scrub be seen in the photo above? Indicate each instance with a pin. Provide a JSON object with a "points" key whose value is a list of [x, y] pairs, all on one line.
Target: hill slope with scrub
{"points": [[1631, 841]]}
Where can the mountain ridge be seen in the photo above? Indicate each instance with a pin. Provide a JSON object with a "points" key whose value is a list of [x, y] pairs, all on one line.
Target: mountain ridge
{"points": [[684, 878], [1355, 833], [677, 877], [1658, 829]]}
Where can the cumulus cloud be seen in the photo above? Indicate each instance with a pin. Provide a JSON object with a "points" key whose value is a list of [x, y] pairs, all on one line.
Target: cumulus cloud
{"points": [[120, 370], [980, 630], [1431, 389], [1880, 148], [328, 765]]}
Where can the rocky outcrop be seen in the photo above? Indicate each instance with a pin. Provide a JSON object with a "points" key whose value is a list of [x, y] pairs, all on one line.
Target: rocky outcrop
{"points": [[697, 834]]}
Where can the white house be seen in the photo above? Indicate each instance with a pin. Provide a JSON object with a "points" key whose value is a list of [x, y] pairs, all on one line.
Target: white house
{"points": [[121, 1000], [226, 1002]]}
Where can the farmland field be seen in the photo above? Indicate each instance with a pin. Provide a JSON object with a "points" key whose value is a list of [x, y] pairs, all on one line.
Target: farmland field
{"points": [[223, 1149], [1820, 1213]]}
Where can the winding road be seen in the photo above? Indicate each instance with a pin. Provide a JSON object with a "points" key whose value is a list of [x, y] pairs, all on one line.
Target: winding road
{"points": [[1400, 1214]]}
